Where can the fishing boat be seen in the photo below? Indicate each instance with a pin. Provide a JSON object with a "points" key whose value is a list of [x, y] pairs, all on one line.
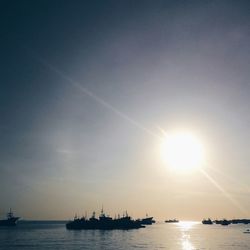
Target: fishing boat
{"points": [[207, 221], [172, 221], [147, 220], [104, 223], [11, 220]]}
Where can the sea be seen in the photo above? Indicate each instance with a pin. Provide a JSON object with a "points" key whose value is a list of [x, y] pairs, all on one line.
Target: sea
{"points": [[185, 235]]}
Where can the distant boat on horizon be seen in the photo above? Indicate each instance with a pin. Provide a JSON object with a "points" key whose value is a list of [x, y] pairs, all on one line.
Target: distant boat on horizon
{"points": [[11, 220], [147, 220], [225, 222], [172, 221], [207, 221]]}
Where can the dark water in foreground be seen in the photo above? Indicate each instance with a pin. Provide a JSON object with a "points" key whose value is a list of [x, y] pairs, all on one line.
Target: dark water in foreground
{"points": [[183, 236]]}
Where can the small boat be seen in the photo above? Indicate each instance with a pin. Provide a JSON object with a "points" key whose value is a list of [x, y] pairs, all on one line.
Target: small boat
{"points": [[217, 221], [147, 221], [247, 231], [172, 221], [223, 222], [242, 221], [207, 221], [11, 220]]}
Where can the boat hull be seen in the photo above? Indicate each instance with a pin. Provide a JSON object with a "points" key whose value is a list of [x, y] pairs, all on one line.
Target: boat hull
{"points": [[9, 222], [119, 224], [147, 221]]}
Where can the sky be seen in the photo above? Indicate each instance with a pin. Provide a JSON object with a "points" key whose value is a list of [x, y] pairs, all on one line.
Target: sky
{"points": [[88, 89]]}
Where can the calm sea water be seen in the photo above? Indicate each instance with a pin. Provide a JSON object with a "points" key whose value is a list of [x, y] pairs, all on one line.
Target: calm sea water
{"points": [[183, 236]]}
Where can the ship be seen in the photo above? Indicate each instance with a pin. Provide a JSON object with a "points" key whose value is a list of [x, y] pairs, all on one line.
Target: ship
{"points": [[225, 222], [104, 223], [147, 220], [207, 222], [242, 221], [11, 220], [172, 221]]}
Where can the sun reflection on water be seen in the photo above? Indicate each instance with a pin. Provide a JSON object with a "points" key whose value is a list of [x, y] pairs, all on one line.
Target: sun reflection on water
{"points": [[186, 227], [186, 245]]}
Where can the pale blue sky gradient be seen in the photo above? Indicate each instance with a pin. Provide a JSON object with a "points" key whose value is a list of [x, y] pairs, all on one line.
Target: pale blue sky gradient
{"points": [[85, 88]]}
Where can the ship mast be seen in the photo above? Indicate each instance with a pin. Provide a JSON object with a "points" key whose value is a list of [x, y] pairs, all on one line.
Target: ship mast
{"points": [[10, 214]]}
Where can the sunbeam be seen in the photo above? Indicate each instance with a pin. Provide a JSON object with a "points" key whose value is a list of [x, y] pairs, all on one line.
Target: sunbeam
{"points": [[96, 98], [243, 186], [224, 192]]}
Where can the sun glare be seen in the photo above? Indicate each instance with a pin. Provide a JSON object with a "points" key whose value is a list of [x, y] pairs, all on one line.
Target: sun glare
{"points": [[182, 151]]}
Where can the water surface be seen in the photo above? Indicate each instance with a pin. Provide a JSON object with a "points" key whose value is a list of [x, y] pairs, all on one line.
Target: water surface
{"points": [[179, 236]]}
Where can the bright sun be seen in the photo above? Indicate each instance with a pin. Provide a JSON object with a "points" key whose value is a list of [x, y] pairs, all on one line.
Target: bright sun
{"points": [[182, 151]]}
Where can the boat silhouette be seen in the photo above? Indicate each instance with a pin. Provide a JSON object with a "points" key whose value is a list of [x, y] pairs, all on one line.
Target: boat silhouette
{"points": [[147, 220], [225, 222], [104, 223], [207, 221], [11, 220], [172, 221]]}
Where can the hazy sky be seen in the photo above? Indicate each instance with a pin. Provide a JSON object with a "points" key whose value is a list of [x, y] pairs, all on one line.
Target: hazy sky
{"points": [[86, 88]]}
